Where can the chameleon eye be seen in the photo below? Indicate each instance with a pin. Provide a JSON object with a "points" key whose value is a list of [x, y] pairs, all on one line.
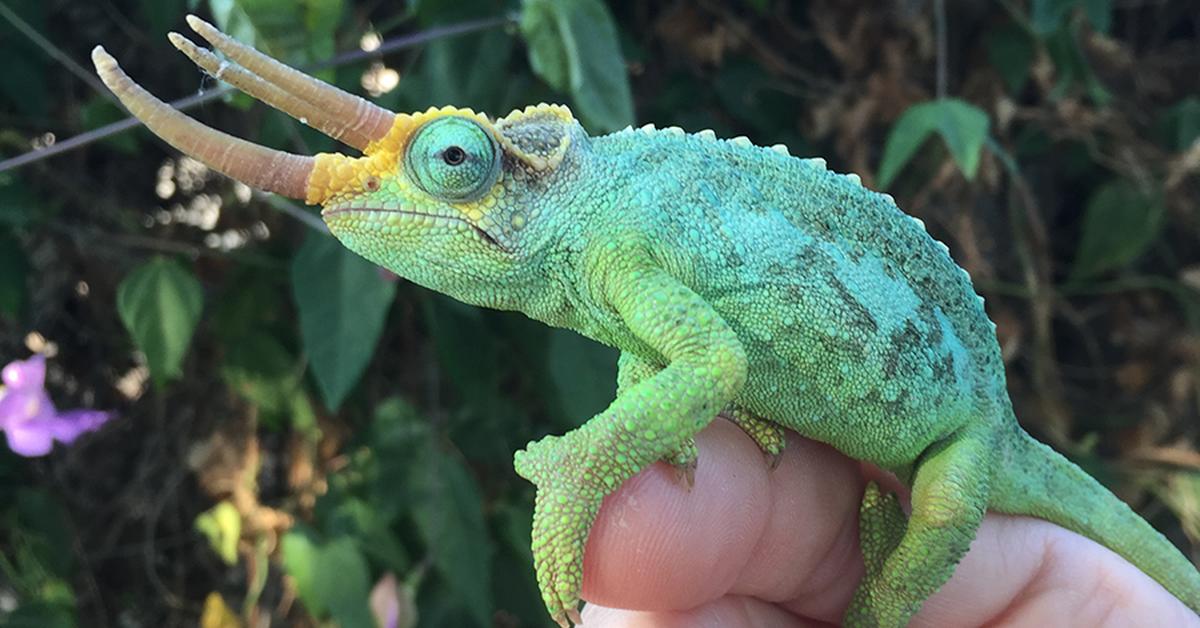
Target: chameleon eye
{"points": [[453, 158]]}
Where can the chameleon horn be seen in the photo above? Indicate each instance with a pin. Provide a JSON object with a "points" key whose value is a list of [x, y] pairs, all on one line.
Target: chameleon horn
{"points": [[351, 119], [254, 165], [252, 84]]}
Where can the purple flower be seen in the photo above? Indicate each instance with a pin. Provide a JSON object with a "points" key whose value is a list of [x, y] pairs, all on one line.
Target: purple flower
{"points": [[28, 417]]}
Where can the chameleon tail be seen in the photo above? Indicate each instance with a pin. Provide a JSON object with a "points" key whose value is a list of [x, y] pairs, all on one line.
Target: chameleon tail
{"points": [[1038, 481]]}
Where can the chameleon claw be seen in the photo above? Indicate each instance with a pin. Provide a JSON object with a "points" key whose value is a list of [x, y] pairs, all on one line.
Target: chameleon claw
{"points": [[687, 474], [773, 459], [574, 616]]}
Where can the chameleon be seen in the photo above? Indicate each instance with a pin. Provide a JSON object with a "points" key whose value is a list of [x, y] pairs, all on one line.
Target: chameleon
{"points": [[734, 279]]}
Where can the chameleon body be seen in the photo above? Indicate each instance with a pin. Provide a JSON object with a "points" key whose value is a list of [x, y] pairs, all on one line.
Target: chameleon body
{"points": [[732, 278]]}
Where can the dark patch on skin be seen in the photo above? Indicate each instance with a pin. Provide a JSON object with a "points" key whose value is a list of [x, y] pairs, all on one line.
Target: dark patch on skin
{"points": [[908, 340], [861, 317], [897, 408]]}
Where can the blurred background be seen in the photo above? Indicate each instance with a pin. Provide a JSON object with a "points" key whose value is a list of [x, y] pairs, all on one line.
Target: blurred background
{"points": [[297, 429]]}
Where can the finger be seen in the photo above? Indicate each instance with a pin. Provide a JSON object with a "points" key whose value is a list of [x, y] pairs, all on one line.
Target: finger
{"points": [[787, 534], [726, 612], [1023, 571]]}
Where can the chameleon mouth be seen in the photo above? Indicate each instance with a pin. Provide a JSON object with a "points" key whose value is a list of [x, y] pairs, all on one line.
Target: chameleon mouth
{"points": [[386, 218]]}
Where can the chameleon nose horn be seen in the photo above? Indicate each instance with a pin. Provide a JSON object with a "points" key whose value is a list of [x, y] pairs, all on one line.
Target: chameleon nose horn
{"points": [[336, 113], [254, 165]]}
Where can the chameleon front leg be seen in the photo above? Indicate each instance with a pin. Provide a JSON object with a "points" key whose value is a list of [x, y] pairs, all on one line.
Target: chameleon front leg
{"points": [[649, 420], [630, 370], [907, 561]]}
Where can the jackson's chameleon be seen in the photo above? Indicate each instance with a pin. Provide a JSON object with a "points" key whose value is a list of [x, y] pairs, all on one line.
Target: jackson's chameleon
{"points": [[732, 278]]}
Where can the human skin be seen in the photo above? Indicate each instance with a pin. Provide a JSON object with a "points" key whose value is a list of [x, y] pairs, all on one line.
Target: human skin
{"points": [[752, 546]]}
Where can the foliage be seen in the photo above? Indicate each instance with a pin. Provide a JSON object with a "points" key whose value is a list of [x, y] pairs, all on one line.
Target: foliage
{"points": [[293, 425]]}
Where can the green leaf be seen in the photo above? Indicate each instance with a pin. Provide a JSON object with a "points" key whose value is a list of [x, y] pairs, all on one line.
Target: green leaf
{"points": [[584, 373], [1180, 125], [1045, 16], [1121, 221], [961, 125], [342, 303], [343, 583], [330, 577], [160, 303], [449, 515], [295, 31], [222, 525], [300, 549], [573, 46], [357, 519], [1099, 13], [1072, 67], [1010, 50], [14, 273]]}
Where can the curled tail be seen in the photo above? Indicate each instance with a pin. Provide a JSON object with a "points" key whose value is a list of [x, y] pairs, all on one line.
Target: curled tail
{"points": [[1038, 481]]}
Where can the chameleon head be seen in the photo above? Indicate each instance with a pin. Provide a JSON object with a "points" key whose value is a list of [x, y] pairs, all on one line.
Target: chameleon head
{"points": [[441, 197]]}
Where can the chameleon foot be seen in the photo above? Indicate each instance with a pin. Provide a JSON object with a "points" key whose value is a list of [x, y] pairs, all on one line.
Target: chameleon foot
{"points": [[767, 435], [565, 508]]}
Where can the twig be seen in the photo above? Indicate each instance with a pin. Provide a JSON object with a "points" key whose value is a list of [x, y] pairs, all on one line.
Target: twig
{"points": [[184, 104]]}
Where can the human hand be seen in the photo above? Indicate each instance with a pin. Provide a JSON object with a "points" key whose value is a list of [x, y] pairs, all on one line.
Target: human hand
{"points": [[747, 546]]}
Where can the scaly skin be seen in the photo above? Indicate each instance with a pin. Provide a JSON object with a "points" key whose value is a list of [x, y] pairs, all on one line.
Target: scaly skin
{"points": [[736, 278]]}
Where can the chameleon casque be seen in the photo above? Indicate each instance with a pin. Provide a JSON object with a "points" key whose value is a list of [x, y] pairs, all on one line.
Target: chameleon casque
{"points": [[734, 279]]}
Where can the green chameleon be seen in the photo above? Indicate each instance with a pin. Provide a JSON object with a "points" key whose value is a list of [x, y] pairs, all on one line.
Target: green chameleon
{"points": [[734, 279]]}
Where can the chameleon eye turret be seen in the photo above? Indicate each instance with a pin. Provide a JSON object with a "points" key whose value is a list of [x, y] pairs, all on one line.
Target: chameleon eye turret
{"points": [[453, 158]]}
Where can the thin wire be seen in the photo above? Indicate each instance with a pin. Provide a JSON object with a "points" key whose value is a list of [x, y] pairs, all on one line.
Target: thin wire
{"points": [[183, 104]]}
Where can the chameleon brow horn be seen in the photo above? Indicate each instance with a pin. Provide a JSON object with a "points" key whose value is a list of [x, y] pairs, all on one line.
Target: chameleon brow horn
{"points": [[336, 113]]}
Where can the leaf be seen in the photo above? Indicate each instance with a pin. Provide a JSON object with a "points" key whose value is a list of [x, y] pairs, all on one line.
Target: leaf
{"points": [[342, 303], [1010, 50], [961, 125], [160, 303], [573, 46], [217, 614], [262, 371], [343, 583], [584, 373], [222, 525], [299, 550], [1180, 125], [1099, 13], [330, 577], [1046, 16], [449, 515], [299, 32], [1072, 67], [1120, 222], [355, 518], [14, 273]]}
